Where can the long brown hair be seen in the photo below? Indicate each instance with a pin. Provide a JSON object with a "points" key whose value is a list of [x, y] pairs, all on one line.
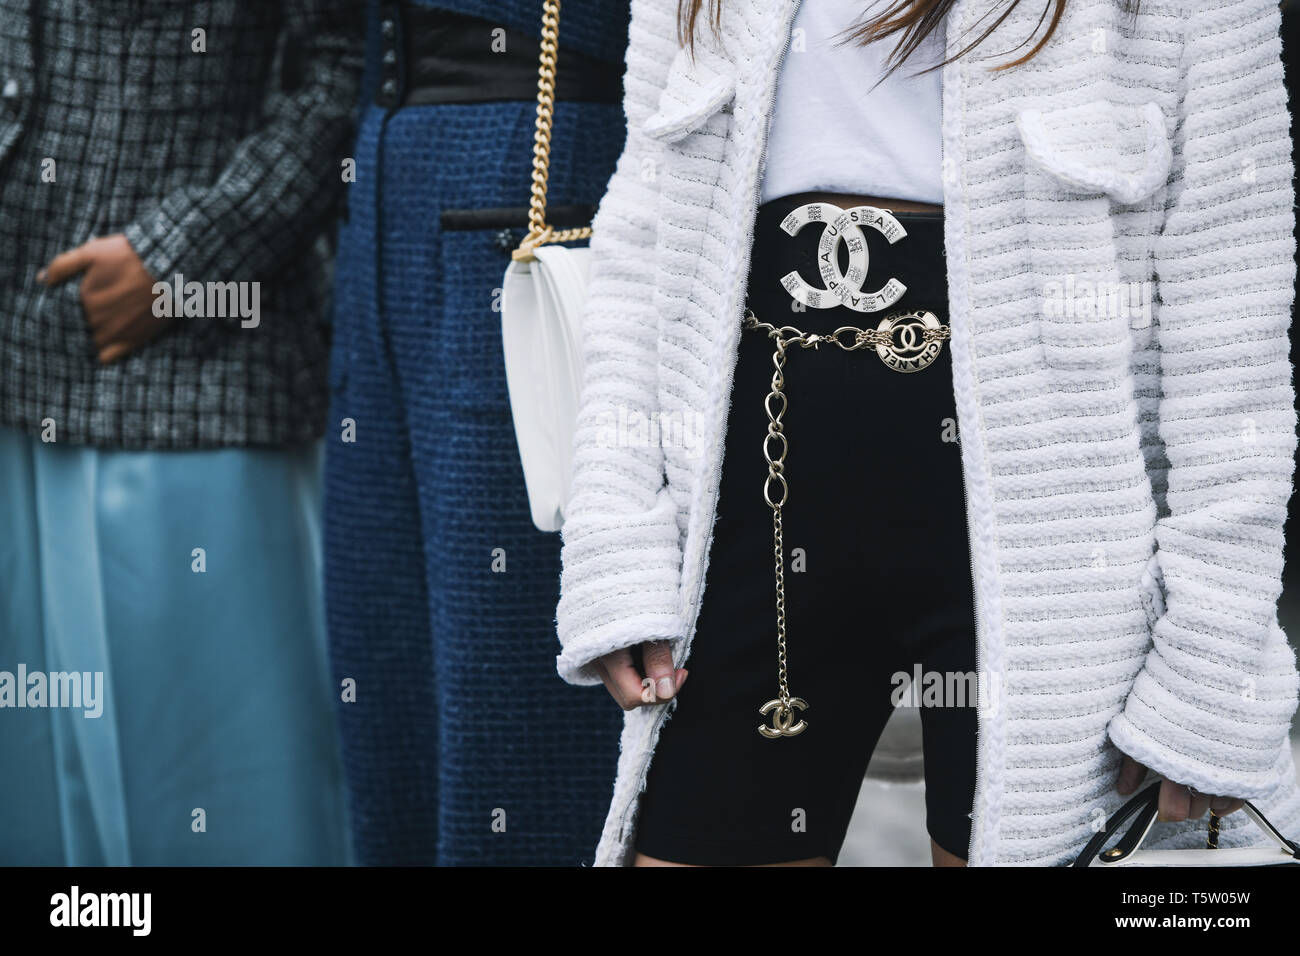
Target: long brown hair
{"points": [[911, 20]]}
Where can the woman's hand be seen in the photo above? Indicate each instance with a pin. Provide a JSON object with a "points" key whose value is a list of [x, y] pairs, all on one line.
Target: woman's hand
{"points": [[653, 682], [116, 293], [1177, 802]]}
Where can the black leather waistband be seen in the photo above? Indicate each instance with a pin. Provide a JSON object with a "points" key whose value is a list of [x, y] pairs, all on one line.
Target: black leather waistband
{"points": [[916, 260], [431, 56]]}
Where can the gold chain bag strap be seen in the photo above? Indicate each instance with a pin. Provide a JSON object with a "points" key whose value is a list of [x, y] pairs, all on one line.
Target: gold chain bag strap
{"points": [[539, 232], [542, 298]]}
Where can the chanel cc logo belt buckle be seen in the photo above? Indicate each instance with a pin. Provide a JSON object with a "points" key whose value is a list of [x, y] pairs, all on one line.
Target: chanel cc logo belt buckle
{"points": [[843, 226]]}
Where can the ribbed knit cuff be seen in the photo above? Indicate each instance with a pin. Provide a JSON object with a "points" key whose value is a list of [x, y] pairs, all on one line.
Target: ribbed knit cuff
{"points": [[620, 585], [576, 664], [1220, 735]]}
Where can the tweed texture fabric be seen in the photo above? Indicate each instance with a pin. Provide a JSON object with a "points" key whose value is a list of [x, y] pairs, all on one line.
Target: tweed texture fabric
{"points": [[1127, 468], [440, 593], [212, 170]]}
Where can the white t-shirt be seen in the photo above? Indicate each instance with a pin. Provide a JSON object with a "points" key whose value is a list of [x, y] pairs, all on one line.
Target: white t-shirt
{"points": [[831, 131]]}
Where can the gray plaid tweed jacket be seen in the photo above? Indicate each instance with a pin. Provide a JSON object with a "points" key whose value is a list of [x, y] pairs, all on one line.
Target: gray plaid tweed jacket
{"points": [[215, 167]]}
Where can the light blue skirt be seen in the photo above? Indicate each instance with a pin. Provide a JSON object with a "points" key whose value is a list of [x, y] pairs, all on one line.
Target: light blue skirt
{"points": [[183, 588]]}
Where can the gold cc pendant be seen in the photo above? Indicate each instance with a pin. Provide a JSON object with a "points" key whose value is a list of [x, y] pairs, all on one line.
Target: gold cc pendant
{"points": [[910, 341], [783, 724]]}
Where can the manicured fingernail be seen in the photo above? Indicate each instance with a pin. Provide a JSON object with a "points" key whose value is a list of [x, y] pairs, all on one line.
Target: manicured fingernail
{"points": [[664, 689], [40, 276]]}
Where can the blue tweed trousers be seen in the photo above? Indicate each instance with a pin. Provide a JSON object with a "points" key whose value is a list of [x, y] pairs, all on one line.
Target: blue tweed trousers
{"points": [[462, 746]]}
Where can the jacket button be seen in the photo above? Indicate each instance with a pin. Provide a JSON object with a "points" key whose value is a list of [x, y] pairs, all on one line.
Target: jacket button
{"points": [[388, 28], [390, 88]]}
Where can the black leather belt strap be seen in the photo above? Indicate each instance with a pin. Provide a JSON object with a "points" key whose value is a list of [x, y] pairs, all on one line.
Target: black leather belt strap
{"points": [[431, 56]]}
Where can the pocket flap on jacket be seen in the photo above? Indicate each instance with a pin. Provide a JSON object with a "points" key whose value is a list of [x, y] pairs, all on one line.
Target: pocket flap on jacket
{"points": [[1100, 146], [695, 91]]}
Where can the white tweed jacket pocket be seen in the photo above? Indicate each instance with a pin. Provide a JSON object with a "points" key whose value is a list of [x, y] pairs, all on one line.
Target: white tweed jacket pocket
{"points": [[1083, 163], [1100, 146], [693, 122], [696, 89]]}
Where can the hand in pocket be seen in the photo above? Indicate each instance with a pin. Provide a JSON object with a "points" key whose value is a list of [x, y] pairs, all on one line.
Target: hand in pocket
{"points": [[116, 293]]}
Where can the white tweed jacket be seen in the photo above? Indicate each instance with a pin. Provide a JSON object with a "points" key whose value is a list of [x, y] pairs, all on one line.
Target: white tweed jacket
{"points": [[1127, 469]]}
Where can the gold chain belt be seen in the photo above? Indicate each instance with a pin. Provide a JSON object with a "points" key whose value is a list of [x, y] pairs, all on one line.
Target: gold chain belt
{"points": [[906, 342]]}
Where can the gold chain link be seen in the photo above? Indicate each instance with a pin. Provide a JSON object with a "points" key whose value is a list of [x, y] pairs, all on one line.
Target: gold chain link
{"points": [[539, 233], [776, 472], [782, 709], [862, 338]]}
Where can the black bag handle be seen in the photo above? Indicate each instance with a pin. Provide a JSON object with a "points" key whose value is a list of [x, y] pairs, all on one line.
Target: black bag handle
{"points": [[1145, 806]]}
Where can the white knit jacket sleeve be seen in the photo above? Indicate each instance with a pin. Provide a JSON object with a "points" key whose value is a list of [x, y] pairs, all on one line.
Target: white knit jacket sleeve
{"points": [[621, 555], [1213, 701]]}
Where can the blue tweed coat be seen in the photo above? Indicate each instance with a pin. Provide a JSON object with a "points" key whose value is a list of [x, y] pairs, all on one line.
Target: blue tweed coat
{"points": [[462, 746]]}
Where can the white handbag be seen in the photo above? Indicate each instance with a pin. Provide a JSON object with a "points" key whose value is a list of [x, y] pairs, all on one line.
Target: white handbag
{"points": [[543, 293], [541, 333], [1128, 850]]}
